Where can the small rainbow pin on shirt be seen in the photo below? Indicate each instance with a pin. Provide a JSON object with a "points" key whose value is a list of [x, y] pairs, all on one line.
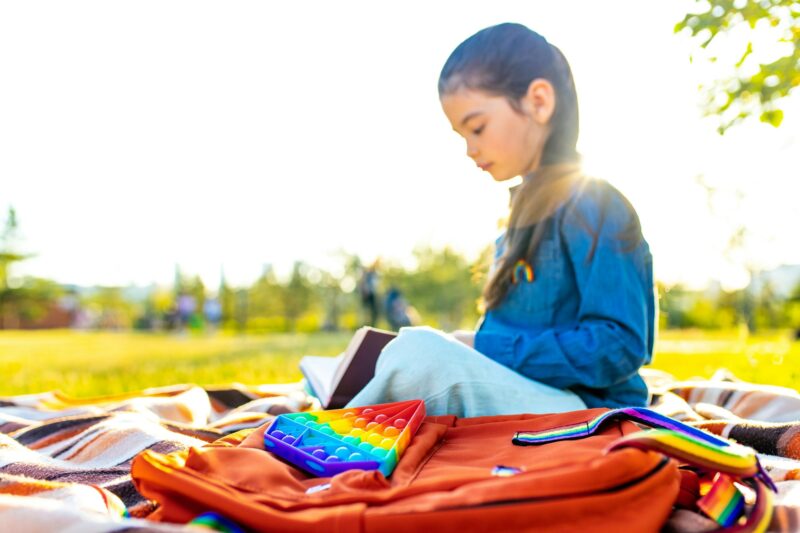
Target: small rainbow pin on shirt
{"points": [[522, 272]]}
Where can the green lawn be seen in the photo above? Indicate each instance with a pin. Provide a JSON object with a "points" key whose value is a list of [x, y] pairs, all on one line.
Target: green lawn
{"points": [[95, 363]]}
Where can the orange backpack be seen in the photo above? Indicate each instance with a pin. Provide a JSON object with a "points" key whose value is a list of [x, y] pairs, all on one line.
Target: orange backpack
{"points": [[456, 475]]}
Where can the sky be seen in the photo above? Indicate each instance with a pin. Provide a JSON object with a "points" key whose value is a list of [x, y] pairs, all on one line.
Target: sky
{"points": [[137, 136]]}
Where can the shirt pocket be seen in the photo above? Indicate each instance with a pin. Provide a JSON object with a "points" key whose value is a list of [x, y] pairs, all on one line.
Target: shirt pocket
{"points": [[539, 296]]}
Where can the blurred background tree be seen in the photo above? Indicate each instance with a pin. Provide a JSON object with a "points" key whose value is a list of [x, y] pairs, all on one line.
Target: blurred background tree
{"points": [[23, 301], [763, 40], [297, 296], [442, 287]]}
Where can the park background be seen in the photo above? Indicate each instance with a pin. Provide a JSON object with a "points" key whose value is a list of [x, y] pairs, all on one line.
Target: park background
{"points": [[191, 193]]}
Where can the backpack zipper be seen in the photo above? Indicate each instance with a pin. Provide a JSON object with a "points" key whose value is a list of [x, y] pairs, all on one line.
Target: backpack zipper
{"points": [[616, 488], [622, 486]]}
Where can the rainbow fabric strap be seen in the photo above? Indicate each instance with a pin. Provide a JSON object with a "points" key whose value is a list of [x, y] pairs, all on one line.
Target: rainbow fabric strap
{"points": [[724, 502]]}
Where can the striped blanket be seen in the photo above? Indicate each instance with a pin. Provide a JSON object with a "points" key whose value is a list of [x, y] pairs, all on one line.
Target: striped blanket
{"points": [[65, 462]]}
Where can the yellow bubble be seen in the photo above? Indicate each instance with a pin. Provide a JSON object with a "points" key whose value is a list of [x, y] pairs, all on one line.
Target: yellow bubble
{"points": [[357, 432], [341, 426], [375, 439], [386, 443]]}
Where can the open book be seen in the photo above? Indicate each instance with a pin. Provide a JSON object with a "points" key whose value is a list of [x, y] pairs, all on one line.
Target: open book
{"points": [[335, 380]]}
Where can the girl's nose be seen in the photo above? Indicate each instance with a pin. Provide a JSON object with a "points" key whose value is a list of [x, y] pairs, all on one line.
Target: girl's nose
{"points": [[472, 150]]}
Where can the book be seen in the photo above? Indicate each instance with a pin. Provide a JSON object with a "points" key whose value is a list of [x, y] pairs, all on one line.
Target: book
{"points": [[336, 380]]}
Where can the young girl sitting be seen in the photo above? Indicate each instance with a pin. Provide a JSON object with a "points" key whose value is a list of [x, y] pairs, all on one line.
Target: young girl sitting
{"points": [[569, 304]]}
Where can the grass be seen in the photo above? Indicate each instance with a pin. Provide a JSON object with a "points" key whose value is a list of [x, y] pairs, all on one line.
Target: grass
{"points": [[96, 363], [772, 357]]}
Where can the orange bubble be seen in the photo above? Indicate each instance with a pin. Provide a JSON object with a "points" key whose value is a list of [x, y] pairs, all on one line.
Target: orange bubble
{"points": [[371, 425], [391, 431], [360, 422]]}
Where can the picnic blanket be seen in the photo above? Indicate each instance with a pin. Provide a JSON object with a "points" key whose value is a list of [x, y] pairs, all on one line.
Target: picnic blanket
{"points": [[65, 462]]}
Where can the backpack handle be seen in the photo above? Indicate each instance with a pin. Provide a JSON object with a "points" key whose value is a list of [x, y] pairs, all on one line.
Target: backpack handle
{"points": [[645, 417], [737, 461], [640, 415], [680, 441]]}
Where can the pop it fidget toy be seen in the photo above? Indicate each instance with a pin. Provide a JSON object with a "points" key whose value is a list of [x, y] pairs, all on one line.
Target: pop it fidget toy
{"points": [[325, 443]]}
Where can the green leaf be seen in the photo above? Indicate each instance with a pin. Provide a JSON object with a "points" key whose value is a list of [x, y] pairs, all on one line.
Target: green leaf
{"points": [[773, 117]]}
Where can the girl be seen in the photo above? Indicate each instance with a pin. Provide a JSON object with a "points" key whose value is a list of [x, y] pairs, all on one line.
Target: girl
{"points": [[569, 304]]}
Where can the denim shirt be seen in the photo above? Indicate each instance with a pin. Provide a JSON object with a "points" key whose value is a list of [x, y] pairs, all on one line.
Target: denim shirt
{"points": [[587, 320]]}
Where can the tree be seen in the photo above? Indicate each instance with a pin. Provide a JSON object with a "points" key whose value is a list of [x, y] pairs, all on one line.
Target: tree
{"points": [[261, 306], [12, 298], [8, 244], [759, 78], [442, 287], [297, 295]]}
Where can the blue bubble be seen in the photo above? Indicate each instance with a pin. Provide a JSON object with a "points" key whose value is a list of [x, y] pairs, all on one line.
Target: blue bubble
{"points": [[342, 452], [320, 454]]}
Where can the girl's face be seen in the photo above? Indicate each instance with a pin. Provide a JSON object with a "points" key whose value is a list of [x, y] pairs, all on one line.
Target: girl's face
{"points": [[501, 140]]}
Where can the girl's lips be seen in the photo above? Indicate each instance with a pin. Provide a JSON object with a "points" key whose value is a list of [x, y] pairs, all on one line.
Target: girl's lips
{"points": [[485, 166]]}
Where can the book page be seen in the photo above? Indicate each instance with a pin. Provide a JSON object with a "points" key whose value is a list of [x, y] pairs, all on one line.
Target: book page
{"points": [[319, 371]]}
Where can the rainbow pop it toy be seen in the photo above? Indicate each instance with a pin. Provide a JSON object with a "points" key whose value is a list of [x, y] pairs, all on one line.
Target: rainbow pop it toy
{"points": [[325, 443]]}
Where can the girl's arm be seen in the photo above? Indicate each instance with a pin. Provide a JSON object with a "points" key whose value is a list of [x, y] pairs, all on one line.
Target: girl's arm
{"points": [[613, 335], [465, 336]]}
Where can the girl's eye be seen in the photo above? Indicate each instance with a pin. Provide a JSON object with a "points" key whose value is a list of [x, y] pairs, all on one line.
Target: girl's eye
{"points": [[478, 131]]}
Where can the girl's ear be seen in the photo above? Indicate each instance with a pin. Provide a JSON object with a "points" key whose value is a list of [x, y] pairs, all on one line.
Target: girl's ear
{"points": [[540, 100]]}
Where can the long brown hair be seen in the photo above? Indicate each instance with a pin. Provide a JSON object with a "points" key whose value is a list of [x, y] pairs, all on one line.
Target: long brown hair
{"points": [[533, 205], [534, 202]]}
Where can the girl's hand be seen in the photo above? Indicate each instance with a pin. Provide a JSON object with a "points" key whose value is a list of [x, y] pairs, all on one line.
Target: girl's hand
{"points": [[465, 336]]}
